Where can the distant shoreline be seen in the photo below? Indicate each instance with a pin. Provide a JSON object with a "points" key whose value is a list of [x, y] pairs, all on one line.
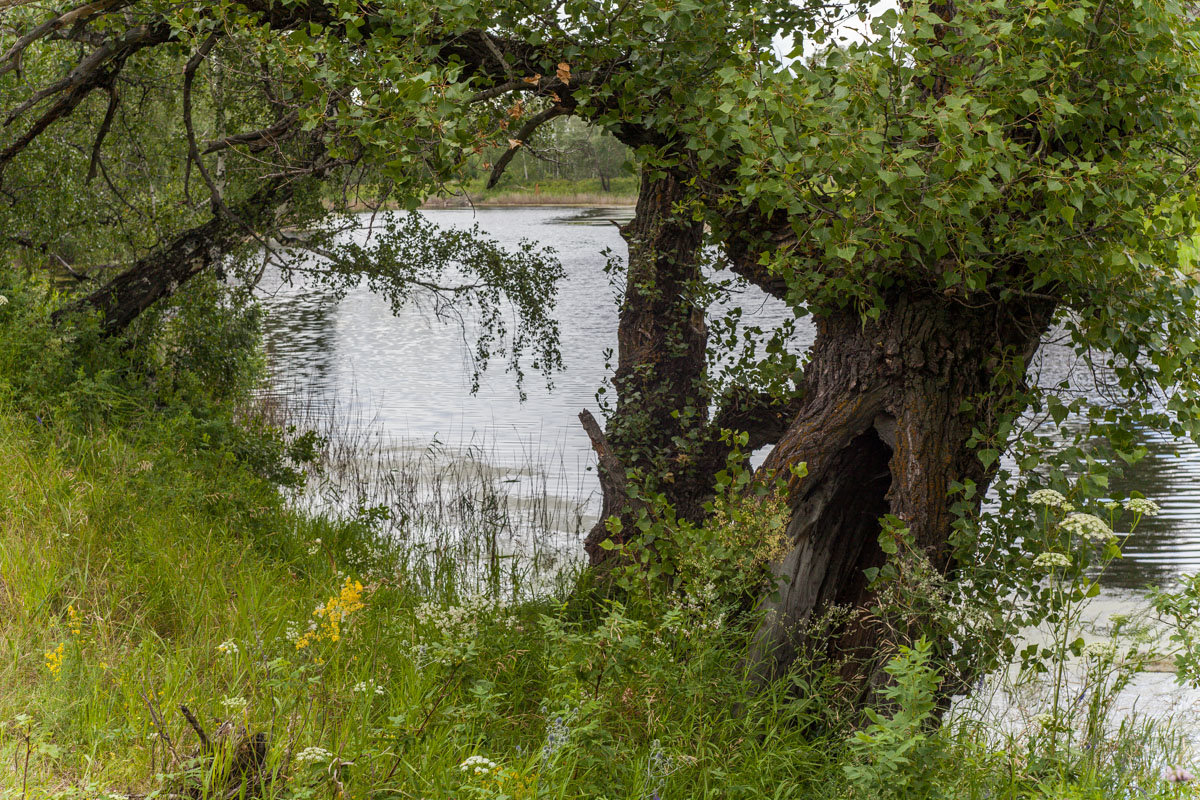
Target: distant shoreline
{"points": [[516, 200], [532, 200]]}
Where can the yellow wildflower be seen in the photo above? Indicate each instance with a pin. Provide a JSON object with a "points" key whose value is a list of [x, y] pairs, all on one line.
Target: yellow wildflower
{"points": [[74, 621], [332, 614], [54, 659]]}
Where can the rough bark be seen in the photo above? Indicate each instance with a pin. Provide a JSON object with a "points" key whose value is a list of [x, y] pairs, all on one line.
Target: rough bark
{"points": [[883, 427], [162, 271], [666, 429], [662, 402]]}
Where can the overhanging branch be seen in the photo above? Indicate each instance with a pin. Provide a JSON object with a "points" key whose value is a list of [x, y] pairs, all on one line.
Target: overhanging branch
{"points": [[523, 135]]}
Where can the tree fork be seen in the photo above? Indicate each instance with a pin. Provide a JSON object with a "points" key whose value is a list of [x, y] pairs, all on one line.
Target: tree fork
{"points": [[661, 426]]}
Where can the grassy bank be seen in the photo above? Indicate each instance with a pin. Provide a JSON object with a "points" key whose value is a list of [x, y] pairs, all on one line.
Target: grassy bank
{"points": [[620, 192], [582, 193], [137, 580], [149, 563]]}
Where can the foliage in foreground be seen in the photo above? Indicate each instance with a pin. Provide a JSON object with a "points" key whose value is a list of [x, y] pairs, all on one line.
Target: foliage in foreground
{"points": [[149, 563], [137, 579]]}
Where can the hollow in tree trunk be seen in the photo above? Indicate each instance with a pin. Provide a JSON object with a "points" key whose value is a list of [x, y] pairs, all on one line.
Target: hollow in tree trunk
{"points": [[884, 426]]}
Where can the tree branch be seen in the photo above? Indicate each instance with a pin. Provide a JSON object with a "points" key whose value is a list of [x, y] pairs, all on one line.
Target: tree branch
{"points": [[189, 75], [526, 131], [256, 140], [114, 99]]}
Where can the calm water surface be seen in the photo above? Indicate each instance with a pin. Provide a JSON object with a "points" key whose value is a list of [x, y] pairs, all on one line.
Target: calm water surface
{"points": [[410, 375]]}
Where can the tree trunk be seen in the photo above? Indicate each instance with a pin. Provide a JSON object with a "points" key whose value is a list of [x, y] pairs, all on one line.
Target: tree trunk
{"points": [[883, 426], [161, 272], [662, 401]]}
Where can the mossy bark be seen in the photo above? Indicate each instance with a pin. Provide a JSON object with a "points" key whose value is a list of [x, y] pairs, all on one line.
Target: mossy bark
{"points": [[662, 405]]}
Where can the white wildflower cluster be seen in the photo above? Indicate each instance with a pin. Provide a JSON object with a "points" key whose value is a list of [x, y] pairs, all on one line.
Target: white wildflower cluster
{"points": [[1142, 506], [698, 612], [315, 547], [1088, 526], [1044, 720], [368, 687], [313, 755], [1047, 497], [1100, 651], [460, 621], [234, 704], [3, 300], [228, 648], [1049, 561], [478, 765]]}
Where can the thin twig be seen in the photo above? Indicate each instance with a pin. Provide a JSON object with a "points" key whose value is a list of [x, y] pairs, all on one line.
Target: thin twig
{"points": [[189, 75], [162, 729]]}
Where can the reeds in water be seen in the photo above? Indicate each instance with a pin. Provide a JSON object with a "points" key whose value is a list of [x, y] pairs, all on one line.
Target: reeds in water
{"points": [[454, 516]]}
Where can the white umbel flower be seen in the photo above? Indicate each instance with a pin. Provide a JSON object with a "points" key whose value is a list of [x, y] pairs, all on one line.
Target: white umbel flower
{"points": [[1142, 506], [368, 687], [1047, 497], [313, 755], [1049, 561], [234, 704], [478, 765], [1088, 526], [1100, 651]]}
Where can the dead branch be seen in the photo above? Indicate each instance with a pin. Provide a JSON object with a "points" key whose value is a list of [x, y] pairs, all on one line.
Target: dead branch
{"points": [[158, 724], [196, 726], [114, 99]]}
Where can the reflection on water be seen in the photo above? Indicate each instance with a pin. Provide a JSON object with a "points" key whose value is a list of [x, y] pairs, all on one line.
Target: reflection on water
{"points": [[411, 374], [1166, 545]]}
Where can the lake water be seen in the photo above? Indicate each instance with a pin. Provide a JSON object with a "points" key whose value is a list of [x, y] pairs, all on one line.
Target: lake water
{"points": [[409, 375]]}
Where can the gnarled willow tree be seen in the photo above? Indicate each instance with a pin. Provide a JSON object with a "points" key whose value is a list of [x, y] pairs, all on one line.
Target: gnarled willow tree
{"points": [[938, 199]]}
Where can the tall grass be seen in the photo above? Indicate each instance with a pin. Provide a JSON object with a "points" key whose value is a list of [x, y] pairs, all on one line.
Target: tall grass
{"points": [[181, 581], [444, 510], [173, 624]]}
